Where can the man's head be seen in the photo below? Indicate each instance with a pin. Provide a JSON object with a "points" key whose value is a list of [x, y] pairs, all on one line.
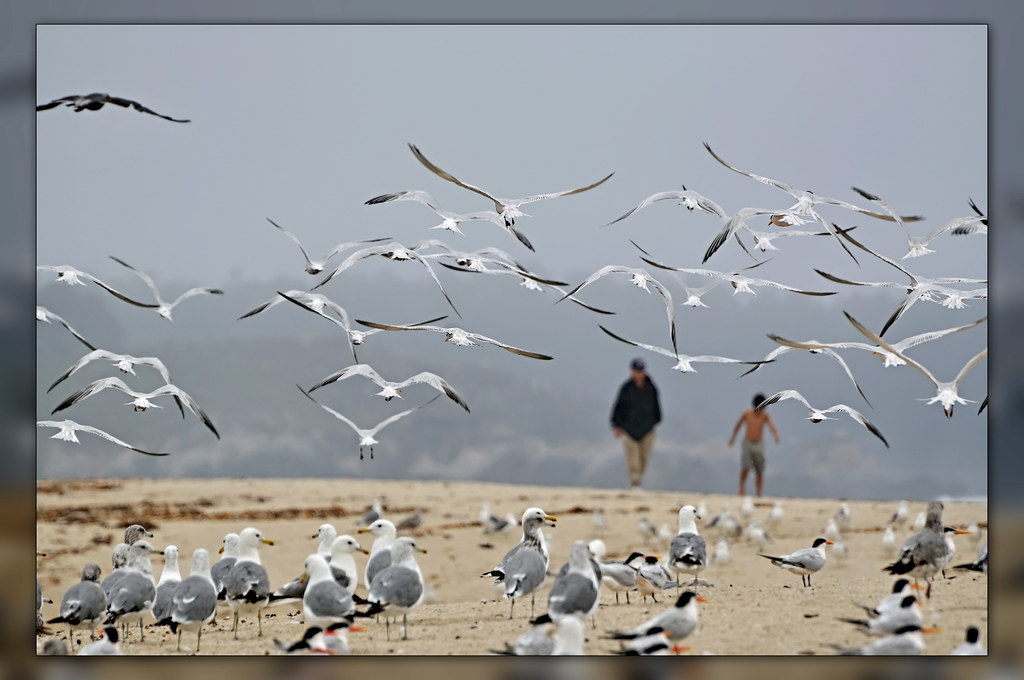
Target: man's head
{"points": [[758, 398]]}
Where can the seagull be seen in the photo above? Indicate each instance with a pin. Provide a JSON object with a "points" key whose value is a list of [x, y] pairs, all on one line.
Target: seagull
{"points": [[133, 595], [399, 587], [678, 622], [508, 208], [95, 102], [763, 240], [523, 569], [842, 517], [247, 583], [170, 577], [817, 415], [889, 358], [125, 363], [620, 576], [971, 646], [919, 288], [805, 561], [889, 543], [577, 589], [384, 533], [392, 389], [83, 603], [804, 206], [450, 220], [740, 282], [68, 428], [46, 316], [945, 392], [776, 514], [918, 245], [140, 400], [971, 225], [229, 555], [899, 518], [375, 511], [163, 308], [684, 362], [324, 602], [747, 508], [756, 534], [721, 554], [812, 346], [725, 521], [906, 614], [921, 554], [411, 522], [493, 524], [392, 251], [194, 600], [366, 436], [688, 551], [904, 642], [456, 336], [640, 278], [315, 267], [919, 522]]}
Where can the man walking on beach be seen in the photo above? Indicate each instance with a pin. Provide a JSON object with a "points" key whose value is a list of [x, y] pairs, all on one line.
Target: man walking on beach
{"points": [[752, 449], [634, 416]]}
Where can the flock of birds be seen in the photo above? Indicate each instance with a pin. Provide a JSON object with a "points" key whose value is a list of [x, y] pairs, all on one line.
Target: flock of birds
{"points": [[327, 589]]}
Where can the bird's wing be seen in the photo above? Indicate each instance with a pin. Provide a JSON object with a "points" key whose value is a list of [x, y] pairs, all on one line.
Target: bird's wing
{"points": [[510, 348], [448, 176], [784, 394], [294, 238], [139, 107], [856, 415], [355, 369], [651, 348], [541, 197], [438, 383], [189, 402], [885, 345], [764, 180], [95, 354], [970, 364], [334, 413], [197, 291], [109, 437], [142, 275], [387, 421]]}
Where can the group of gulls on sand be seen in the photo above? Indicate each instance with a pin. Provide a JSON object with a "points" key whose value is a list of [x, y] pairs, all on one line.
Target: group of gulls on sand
{"points": [[325, 591]]}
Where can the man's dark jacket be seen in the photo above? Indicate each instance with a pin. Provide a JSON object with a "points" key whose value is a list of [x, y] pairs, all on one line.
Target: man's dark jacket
{"points": [[636, 409]]}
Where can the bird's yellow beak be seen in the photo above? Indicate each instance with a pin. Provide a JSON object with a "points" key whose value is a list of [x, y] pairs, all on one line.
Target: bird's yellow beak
{"points": [[267, 541]]}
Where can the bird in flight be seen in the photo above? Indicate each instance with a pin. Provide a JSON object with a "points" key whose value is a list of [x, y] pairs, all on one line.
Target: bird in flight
{"points": [[96, 100]]}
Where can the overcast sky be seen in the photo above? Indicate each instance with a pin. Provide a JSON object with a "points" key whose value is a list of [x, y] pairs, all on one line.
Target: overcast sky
{"points": [[302, 124]]}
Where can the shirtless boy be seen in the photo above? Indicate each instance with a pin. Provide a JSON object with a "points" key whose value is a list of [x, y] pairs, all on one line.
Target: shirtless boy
{"points": [[752, 456]]}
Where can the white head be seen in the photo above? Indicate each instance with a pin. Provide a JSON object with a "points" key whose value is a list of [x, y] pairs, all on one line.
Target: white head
{"points": [[688, 519]]}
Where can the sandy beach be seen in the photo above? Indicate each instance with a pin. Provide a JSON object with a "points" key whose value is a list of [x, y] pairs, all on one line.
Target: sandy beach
{"points": [[753, 609]]}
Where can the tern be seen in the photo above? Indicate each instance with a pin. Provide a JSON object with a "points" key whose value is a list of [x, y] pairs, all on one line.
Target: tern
{"points": [[918, 245], [971, 646], [392, 251], [95, 102], [678, 621], [805, 561], [163, 308], [904, 642], [450, 220], [46, 316], [620, 576], [945, 391], [740, 282], [763, 239], [366, 436], [125, 363], [684, 362], [391, 389], [140, 400], [691, 199], [640, 278], [804, 206], [900, 589], [76, 277], [814, 347], [979, 564], [919, 288], [971, 225], [816, 415], [456, 336], [906, 614], [508, 208], [68, 428], [317, 266]]}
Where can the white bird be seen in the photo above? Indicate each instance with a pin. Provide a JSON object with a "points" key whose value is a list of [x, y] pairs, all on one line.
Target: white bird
{"points": [[691, 199], [317, 266], [324, 602], [946, 392], [538, 641], [813, 347], [817, 415], [68, 428], [508, 208], [163, 308], [889, 544], [391, 389], [688, 551], [804, 206], [247, 582], [947, 536], [776, 514], [747, 508], [684, 362], [450, 220], [398, 588], [46, 316], [456, 336], [620, 576], [392, 251], [194, 600], [599, 523], [918, 288], [971, 646], [367, 436], [918, 245], [972, 225], [640, 278], [721, 554], [694, 295], [576, 589], [569, 637], [906, 614], [725, 522], [140, 400], [763, 240], [805, 561], [652, 577], [756, 534], [170, 577], [229, 554], [906, 641], [900, 589], [374, 512], [95, 102], [843, 517], [919, 522], [124, 362], [678, 621], [899, 517], [384, 535], [333, 641], [740, 282], [523, 569]]}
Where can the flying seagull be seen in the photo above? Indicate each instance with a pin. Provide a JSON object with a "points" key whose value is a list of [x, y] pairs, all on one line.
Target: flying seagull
{"points": [[162, 307], [69, 427], [391, 389], [740, 282], [814, 347], [918, 245], [95, 102], [456, 336], [684, 362], [366, 436], [317, 266], [450, 220], [817, 415]]}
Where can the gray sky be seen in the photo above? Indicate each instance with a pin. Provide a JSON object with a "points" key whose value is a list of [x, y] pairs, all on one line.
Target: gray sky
{"points": [[302, 124]]}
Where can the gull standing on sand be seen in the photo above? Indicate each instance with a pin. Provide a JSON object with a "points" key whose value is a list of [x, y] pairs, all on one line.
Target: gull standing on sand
{"points": [[720, 555], [247, 583], [83, 604], [508, 208], [170, 577], [688, 551], [391, 389], [343, 562], [229, 555], [194, 601], [315, 267], [946, 392], [68, 428], [375, 511], [816, 415], [133, 595], [889, 543], [678, 622], [163, 308], [398, 588], [140, 400], [805, 561], [95, 102], [46, 316], [367, 436], [456, 336], [899, 517], [523, 569], [384, 533], [577, 590], [324, 602]]}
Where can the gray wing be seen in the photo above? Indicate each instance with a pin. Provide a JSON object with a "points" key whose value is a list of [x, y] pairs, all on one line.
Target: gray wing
{"points": [[378, 562], [688, 550], [571, 594], [133, 593], [327, 598], [164, 593], [294, 589], [218, 571], [248, 582], [84, 601], [524, 572], [396, 585], [195, 599]]}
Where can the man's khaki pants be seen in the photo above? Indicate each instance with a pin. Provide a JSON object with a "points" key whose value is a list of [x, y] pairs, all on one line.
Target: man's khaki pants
{"points": [[637, 453]]}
